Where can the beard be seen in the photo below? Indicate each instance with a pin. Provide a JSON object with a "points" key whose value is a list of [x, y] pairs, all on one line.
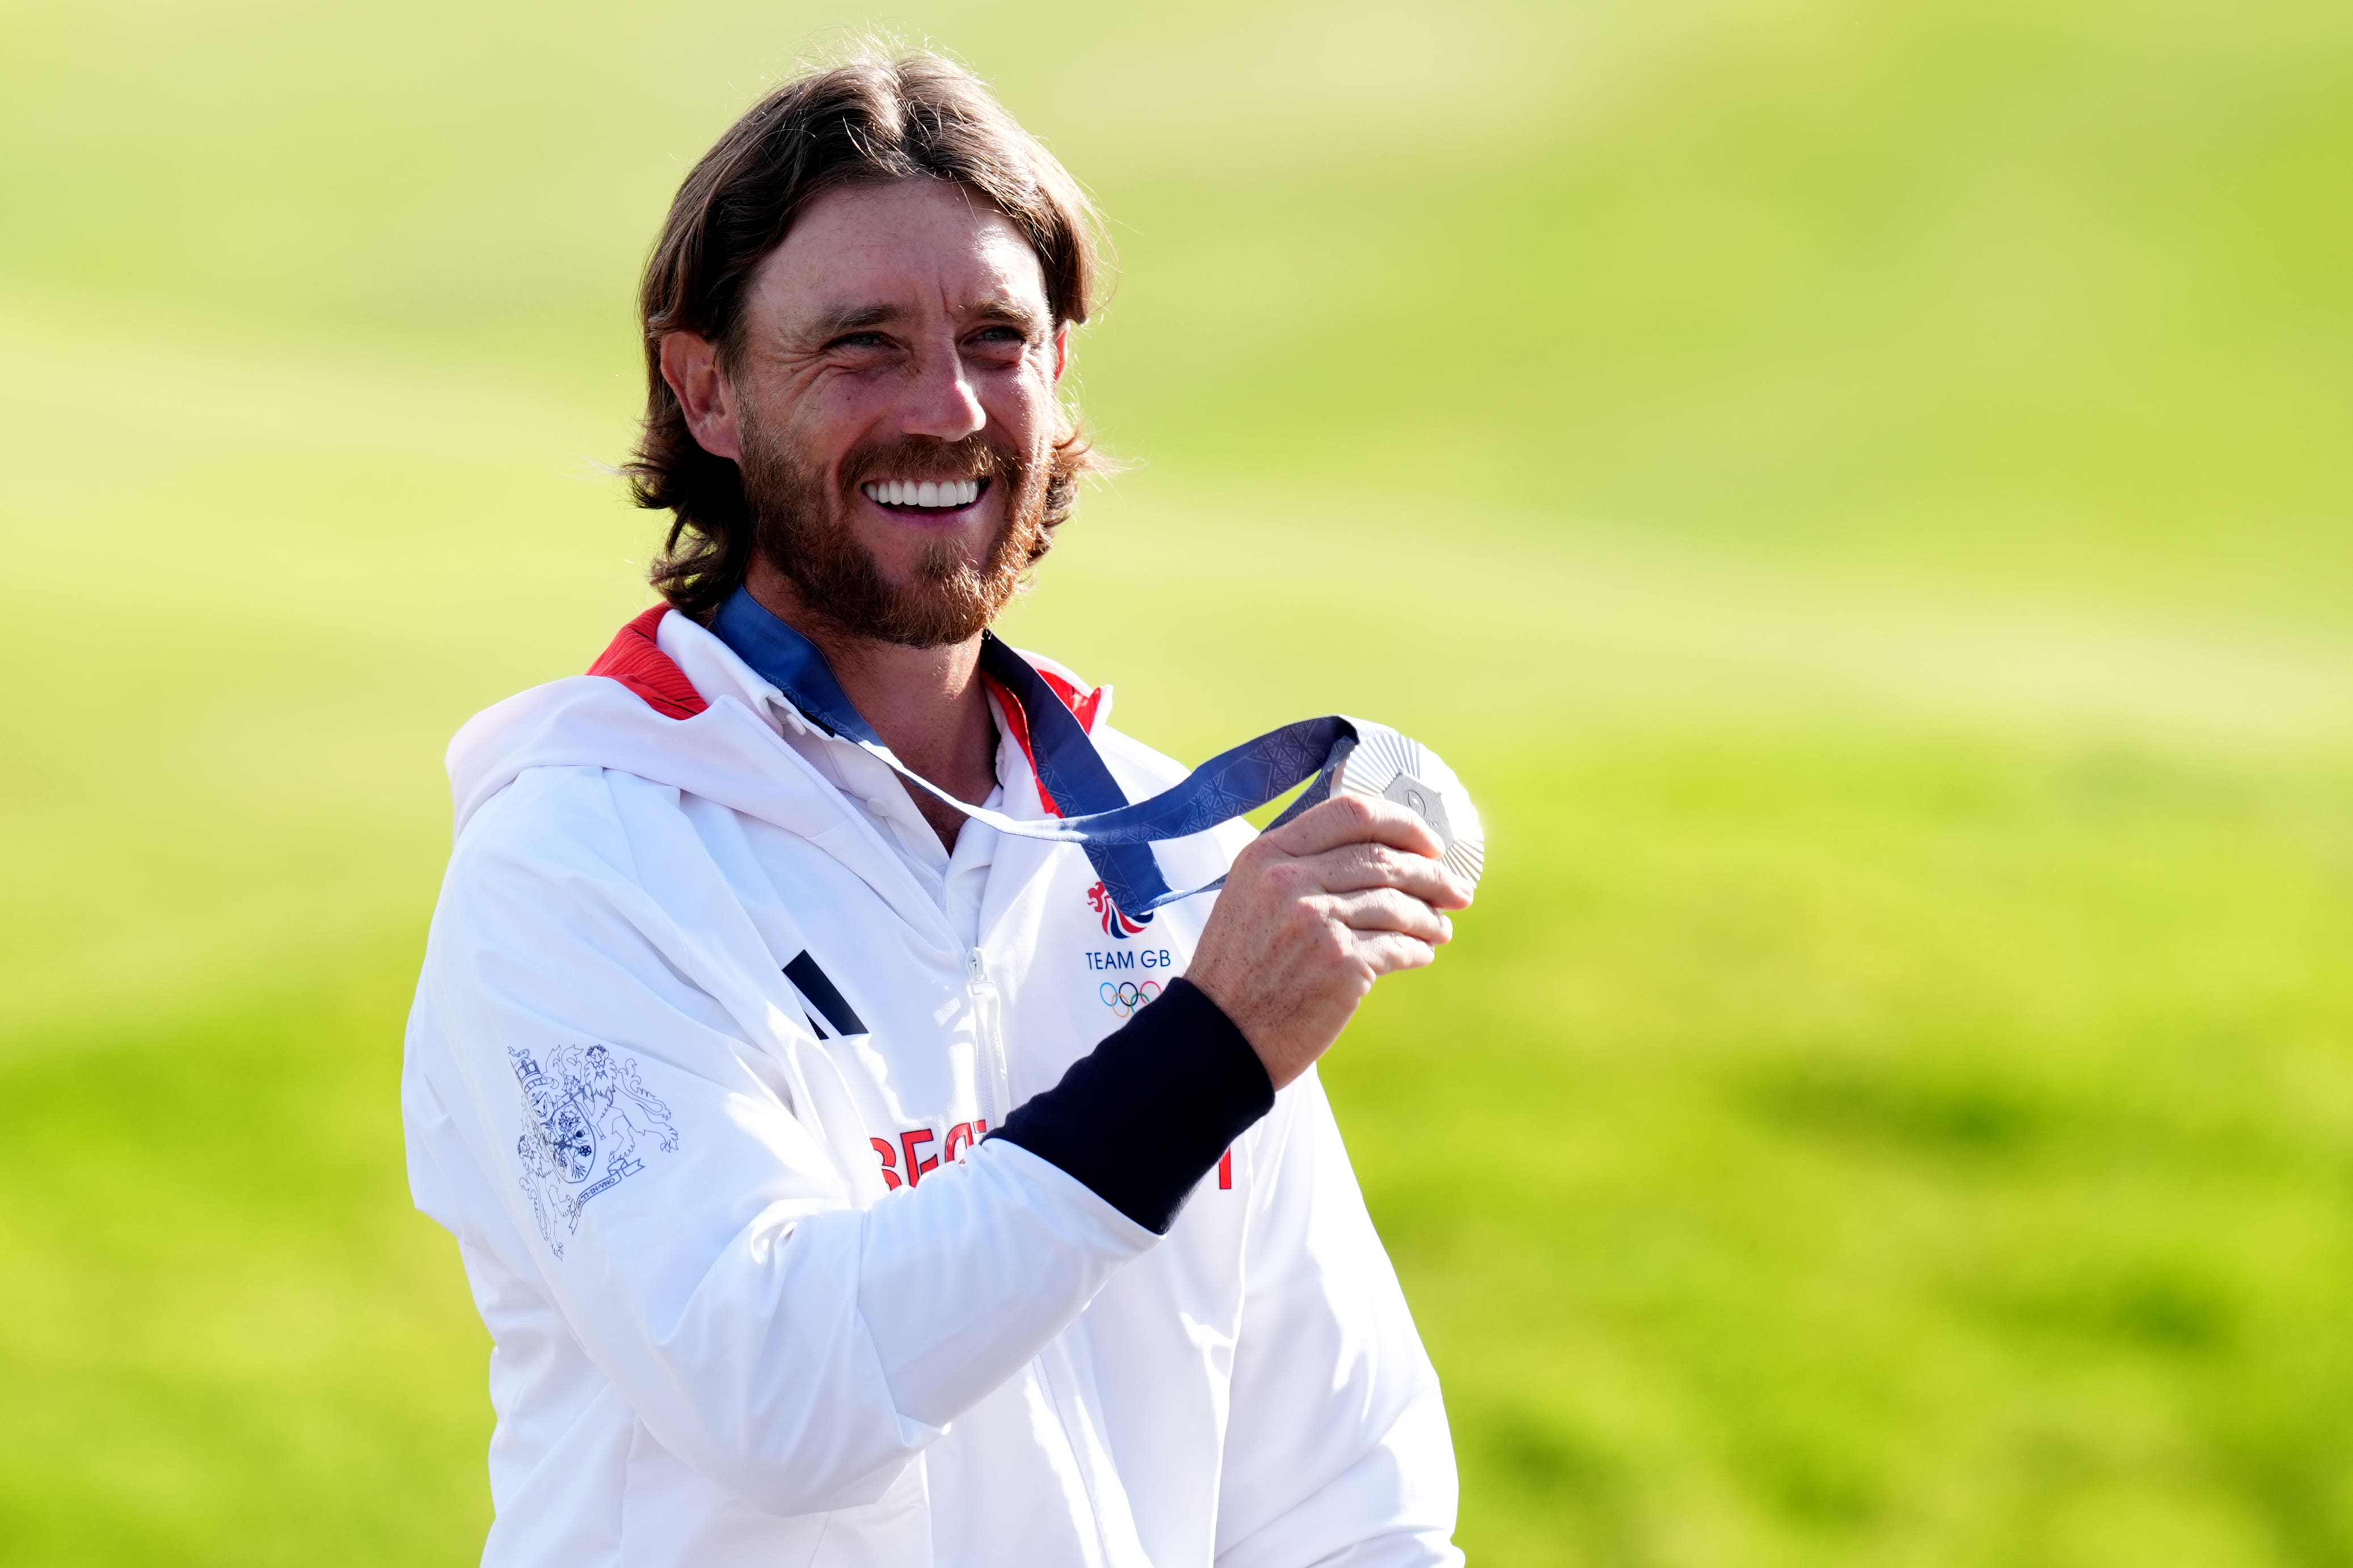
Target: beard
{"points": [[802, 527]]}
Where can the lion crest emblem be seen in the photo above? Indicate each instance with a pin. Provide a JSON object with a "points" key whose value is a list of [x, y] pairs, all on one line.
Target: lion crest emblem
{"points": [[584, 1108]]}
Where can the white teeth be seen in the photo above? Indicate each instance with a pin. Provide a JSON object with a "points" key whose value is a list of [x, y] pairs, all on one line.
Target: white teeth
{"points": [[937, 494]]}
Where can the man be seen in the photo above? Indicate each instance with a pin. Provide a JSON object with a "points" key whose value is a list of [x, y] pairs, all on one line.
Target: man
{"points": [[833, 1184]]}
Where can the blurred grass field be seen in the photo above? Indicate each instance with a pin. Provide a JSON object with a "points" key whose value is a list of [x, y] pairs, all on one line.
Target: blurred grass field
{"points": [[1863, 493]]}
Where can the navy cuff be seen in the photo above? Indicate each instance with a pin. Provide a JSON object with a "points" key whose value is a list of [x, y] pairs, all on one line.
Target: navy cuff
{"points": [[1141, 1116]]}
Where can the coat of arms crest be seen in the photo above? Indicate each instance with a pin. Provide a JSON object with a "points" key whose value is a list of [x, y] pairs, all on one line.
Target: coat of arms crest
{"points": [[585, 1105]]}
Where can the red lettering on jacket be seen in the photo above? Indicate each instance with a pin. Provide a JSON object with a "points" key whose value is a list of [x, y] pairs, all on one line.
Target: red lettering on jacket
{"points": [[889, 1162], [909, 1142]]}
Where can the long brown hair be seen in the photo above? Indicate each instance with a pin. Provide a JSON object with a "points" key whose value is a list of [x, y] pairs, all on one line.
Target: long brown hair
{"points": [[869, 121]]}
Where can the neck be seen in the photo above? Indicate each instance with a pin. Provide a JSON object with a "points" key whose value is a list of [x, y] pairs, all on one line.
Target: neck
{"points": [[926, 704]]}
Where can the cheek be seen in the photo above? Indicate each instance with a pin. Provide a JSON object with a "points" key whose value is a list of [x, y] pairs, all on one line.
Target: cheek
{"points": [[1024, 407], [819, 427]]}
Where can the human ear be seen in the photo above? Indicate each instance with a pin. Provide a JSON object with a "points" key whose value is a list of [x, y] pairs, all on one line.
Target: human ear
{"points": [[690, 363], [1061, 350]]}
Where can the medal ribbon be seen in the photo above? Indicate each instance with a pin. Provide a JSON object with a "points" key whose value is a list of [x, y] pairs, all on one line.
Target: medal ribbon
{"points": [[1116, 834]]}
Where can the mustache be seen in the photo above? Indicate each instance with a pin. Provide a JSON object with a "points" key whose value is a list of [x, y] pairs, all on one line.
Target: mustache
{"points": [[973, 456]]}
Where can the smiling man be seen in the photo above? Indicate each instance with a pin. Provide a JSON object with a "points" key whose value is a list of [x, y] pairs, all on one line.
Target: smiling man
{"points": [[846, 1173]]}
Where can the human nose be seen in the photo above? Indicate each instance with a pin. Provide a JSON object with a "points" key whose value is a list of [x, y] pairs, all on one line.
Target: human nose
{"points": [[941, 399]]}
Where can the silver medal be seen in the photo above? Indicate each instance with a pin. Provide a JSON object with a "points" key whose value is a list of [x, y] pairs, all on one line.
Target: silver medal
{"points": [[1391, 766]]}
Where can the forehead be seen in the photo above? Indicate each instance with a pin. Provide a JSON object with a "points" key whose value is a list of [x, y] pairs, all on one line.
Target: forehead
{"points": [[911, 247]]}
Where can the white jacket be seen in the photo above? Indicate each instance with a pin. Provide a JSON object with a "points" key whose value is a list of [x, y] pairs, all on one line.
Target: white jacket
{"points": [[759, 1293]]}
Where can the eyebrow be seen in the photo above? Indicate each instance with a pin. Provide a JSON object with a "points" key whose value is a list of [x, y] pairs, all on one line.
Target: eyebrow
{"points": [[1004, 308], [839, 319]]}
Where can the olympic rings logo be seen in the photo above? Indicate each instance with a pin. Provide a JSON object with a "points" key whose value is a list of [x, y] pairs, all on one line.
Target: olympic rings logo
{"points": [[1126, 996]]}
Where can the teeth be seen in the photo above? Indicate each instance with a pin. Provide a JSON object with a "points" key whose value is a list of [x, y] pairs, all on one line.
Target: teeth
{"points": [[934, 493]]}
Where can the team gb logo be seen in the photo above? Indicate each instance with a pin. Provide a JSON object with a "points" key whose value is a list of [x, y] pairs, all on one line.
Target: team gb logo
{"points": [[583, 1106], [1114, 923]]}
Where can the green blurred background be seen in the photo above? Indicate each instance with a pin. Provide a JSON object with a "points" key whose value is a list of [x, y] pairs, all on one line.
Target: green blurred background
{"points": [[1863, 491]]}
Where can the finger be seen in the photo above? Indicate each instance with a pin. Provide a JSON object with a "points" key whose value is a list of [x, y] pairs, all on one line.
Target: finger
{"points": [[1352, 867], [1386, 952], [1356, 819], [1386, 909]]}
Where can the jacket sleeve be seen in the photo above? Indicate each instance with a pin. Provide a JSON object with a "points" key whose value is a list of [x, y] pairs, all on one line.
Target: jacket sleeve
{"points": [[699, 1239], [1337, 1453]]}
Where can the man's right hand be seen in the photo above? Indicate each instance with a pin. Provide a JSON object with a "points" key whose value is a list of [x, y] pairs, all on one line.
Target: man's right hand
{"points": [[1315, 911]]}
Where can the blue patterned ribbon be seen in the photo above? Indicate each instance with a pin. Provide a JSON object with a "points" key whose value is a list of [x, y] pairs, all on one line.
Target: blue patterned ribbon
{"points": [[1116, 834]]}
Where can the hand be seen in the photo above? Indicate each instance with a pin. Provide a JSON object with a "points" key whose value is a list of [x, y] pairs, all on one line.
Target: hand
{"points": [[1315, 911]]}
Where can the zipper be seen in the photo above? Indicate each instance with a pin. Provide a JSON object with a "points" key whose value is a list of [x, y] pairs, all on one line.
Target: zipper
{"points": [[988, 1017]]}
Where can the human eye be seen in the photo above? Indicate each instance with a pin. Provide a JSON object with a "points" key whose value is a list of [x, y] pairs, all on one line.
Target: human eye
{"points": [[1003, 340]]}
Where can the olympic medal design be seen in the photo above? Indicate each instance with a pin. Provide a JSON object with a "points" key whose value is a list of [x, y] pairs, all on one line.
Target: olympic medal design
{"points": [[1396, 767]]}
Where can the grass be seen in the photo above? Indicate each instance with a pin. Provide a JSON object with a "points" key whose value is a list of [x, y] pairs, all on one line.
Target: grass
{"points": [[1902, 1160], [228, 1343], [1859, 490]]}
